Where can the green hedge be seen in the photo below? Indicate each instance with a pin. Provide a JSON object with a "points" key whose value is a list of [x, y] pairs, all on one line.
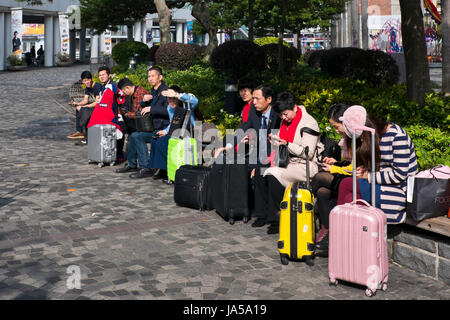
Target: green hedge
{"points": [[269, 40], [429, 127]]}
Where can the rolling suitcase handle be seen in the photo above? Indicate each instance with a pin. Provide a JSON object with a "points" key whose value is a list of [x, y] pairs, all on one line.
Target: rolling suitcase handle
{"points": [[308, 185], [187, 119], [372, 147]]}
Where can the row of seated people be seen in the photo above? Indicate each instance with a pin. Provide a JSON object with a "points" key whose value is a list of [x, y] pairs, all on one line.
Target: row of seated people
{"points": [[279, 120]]}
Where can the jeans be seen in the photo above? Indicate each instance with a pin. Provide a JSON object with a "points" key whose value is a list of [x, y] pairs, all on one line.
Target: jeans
{"points": [[158, 153], [137, 148], [77, 121]]}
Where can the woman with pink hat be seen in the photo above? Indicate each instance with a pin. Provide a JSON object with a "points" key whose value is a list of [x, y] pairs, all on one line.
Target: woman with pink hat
{"points": [[326, 184], [395, 161]]}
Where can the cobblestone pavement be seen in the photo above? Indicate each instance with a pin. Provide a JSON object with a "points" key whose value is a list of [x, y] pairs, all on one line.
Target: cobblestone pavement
{"points": [[128, 239]]}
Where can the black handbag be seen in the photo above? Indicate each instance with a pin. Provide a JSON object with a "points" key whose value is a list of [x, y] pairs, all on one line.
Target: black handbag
{"points": [[283, 156], [427, 197], [144, 123]]}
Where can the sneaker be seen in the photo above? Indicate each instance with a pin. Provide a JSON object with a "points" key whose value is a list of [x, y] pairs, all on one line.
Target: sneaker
{"points": [[160, 175], [126, 168], [142, 173], [322, 233], [259, 223], [82, 142], [76, 135], [322, 247]]}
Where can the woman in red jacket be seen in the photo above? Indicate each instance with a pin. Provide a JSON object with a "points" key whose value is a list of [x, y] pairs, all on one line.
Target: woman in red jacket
{"points": [[245, 88]]}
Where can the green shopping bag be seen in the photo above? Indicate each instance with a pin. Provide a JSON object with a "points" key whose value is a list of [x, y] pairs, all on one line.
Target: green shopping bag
{"points": [[181, 151]]}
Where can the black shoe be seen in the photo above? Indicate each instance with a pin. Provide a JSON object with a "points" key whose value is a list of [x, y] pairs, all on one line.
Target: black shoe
{"points": [[322, 247], [142, 173], [82, 142], [126, 168], [259, 223], [274, 228], [160, 175]]}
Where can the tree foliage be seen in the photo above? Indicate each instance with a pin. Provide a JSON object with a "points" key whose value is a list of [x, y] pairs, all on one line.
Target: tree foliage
{"points": [[100, 15]]}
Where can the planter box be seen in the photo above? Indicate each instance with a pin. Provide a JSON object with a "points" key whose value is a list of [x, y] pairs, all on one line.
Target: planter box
{"points": [[16, 68], [63, 64]]}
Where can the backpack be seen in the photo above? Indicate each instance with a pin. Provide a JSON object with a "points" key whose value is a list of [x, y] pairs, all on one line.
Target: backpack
{"points": [[326, 147]]}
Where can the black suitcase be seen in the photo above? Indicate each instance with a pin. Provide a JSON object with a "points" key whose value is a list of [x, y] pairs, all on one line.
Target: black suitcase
{"points": [[191, 187], [231, 191]]}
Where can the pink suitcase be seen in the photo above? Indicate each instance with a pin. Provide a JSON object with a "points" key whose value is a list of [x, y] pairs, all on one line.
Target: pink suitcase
{"points": [[358, 239]]}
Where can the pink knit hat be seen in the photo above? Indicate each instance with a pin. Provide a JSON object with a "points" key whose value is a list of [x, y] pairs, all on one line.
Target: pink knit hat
{"points": [[354, 117]]}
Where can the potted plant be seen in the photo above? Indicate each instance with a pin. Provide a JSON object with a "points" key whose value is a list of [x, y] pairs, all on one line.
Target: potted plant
{"points": [[63, 60], [16, 63]]}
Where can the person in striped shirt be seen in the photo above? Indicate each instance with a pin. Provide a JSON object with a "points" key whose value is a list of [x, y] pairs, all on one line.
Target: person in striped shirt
{"points": [[397, 161]]}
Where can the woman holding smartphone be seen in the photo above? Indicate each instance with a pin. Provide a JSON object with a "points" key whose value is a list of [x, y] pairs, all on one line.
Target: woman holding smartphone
{"points": [[270, 184]]}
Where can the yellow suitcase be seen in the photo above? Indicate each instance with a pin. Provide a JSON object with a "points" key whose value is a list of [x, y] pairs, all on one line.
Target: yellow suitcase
{"points": [[297, 230]]}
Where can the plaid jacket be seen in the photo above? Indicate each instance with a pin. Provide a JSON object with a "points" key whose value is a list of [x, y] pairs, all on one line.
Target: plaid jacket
{"points": [[136, 99]]}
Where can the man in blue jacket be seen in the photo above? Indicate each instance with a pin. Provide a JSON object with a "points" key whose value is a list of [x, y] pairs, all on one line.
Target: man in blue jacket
{"points": [[156, 104]]}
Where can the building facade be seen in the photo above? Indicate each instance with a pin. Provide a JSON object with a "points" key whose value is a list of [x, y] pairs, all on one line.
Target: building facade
{"points": [[40, 25]]}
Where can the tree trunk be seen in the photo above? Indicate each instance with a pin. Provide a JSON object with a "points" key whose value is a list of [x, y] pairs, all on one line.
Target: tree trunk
{"points": [[251, 19], [280, 39], [354, 16], [165, 19], [334, 32], [364, 25], [200, 12], [445, 9], [417, 72]]}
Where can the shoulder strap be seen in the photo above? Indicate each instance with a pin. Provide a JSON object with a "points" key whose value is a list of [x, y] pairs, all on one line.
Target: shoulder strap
{"points": [[310, 131]]}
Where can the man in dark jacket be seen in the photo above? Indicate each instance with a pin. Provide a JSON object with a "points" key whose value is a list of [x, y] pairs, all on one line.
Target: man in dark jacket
{"points": [[157, 105], [263, 120]]}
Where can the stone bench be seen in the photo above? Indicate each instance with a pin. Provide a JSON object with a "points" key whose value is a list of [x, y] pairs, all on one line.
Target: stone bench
{"points": [[422, 246]]}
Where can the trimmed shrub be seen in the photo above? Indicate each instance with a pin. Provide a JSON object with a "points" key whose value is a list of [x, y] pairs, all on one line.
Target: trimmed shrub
{"points": [[238, 58], [381, 67], [313, 57], [175, 55], [372, 66], [269, 40], [198, 49], [123, 51], [290, 56]]}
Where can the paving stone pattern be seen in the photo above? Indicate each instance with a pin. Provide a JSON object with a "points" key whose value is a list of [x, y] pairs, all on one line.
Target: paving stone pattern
{"points": [[127, 237]]}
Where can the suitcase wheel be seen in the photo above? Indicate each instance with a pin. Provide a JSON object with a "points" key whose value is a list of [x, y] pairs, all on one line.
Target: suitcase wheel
{"points": [[384, 287], [333, 283], [231, 221], [245, 219], [284, 258], [370, 293], [100, 164], [309, 261]]}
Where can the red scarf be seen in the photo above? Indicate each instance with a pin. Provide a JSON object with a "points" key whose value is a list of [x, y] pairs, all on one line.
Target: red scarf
{"points": [[246, 111], [287, 130], [287, 133]]}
